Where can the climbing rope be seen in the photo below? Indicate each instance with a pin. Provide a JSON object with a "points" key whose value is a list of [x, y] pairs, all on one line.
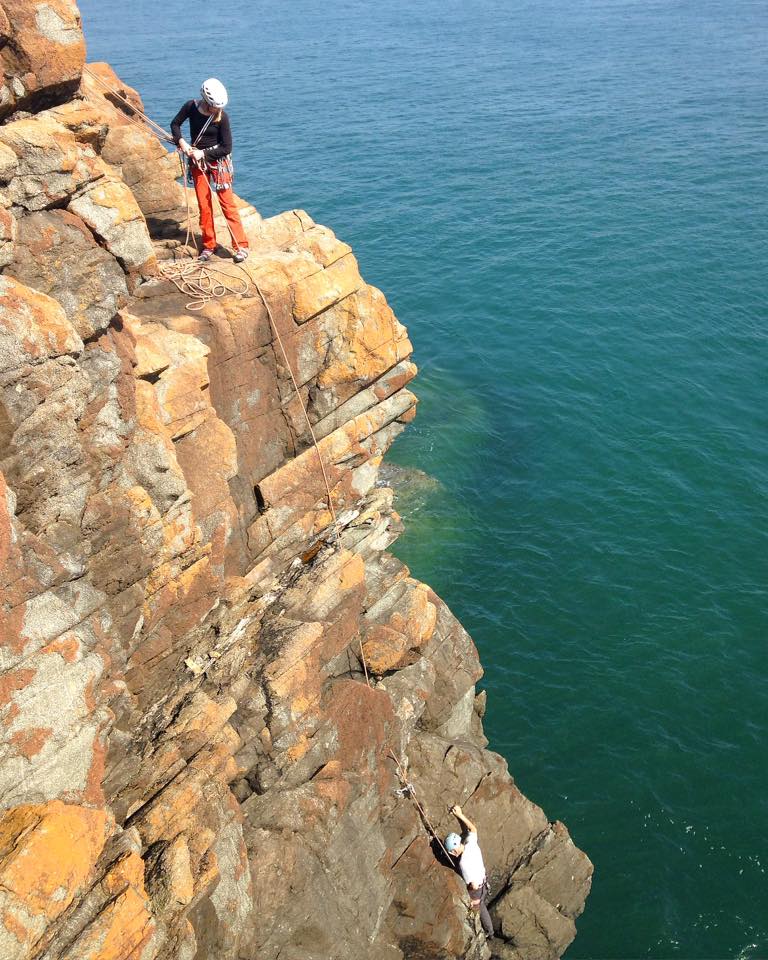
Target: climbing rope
{"points": [[298, 394], [365, 665], [407, 788], [136, 116], [202, 282]]}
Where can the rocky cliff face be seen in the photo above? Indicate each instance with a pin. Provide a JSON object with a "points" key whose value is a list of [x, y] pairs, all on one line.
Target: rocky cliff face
{"points": [[193, 763]]}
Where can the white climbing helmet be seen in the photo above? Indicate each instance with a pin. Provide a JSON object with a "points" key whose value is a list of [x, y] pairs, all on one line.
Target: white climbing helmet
{"points": [[214, 93], [452, 842]]}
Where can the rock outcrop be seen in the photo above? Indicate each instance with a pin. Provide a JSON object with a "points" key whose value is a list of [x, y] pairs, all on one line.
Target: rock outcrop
{"points": [[206, 678]]}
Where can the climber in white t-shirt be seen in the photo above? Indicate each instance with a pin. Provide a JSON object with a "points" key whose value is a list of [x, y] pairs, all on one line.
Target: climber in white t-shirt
{"points": [[471, 867]]}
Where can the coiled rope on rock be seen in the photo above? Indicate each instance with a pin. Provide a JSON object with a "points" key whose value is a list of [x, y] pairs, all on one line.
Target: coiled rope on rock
{"points": [[203, 282]]}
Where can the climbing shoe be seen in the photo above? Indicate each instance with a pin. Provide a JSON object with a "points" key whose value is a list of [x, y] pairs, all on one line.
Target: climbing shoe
{"points": [[240, 255], [205, 256]]}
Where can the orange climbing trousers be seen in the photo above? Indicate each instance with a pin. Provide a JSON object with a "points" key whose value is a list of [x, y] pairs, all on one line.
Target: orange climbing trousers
{"points": [[204, 196]]}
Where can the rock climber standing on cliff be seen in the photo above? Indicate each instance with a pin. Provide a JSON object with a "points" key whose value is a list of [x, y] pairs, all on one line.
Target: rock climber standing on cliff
{"points": [[211, 163], [471, 867]]}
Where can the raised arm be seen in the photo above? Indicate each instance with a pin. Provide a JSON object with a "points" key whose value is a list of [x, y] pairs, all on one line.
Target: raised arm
{"points": [[457, 812]]}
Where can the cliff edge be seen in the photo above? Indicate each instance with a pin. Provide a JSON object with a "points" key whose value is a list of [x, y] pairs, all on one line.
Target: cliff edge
{"points": [[194, 762]]}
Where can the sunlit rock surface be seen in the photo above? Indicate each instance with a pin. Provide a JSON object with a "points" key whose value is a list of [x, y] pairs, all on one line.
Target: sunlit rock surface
{"points": [[193, 763]]}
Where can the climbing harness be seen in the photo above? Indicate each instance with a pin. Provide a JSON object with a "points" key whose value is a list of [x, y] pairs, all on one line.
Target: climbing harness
{"points": [[219, 173], [222, 173]]}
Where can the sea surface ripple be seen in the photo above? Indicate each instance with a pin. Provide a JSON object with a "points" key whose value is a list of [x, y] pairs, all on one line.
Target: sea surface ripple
{"points": [[566, 203]]}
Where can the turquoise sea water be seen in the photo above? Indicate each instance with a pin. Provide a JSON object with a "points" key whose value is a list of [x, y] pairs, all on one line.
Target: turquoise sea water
{"points": [[566, 202]]}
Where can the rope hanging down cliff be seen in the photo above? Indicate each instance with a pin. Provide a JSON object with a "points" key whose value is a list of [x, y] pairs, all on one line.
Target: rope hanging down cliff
{"points": [[407, 788], [199, 280], [204, 282]]}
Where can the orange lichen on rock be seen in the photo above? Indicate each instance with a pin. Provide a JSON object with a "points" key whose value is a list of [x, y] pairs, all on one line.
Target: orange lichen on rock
{"points": [[394, 638], [31, 741], [47, 856], [416, 619], [42, 163], [373, 339], [67, 646], [293, 675], [32, 326], [121, 931], [110, 209], [12, 681], [325, 287], [47, 55]]}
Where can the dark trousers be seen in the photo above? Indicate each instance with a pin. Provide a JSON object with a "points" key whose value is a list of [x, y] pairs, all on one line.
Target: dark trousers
{"points": [[479, 905]]}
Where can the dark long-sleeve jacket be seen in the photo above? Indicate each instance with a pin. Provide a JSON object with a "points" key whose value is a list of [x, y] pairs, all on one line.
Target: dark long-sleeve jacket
{"points": [[216, 142]]}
